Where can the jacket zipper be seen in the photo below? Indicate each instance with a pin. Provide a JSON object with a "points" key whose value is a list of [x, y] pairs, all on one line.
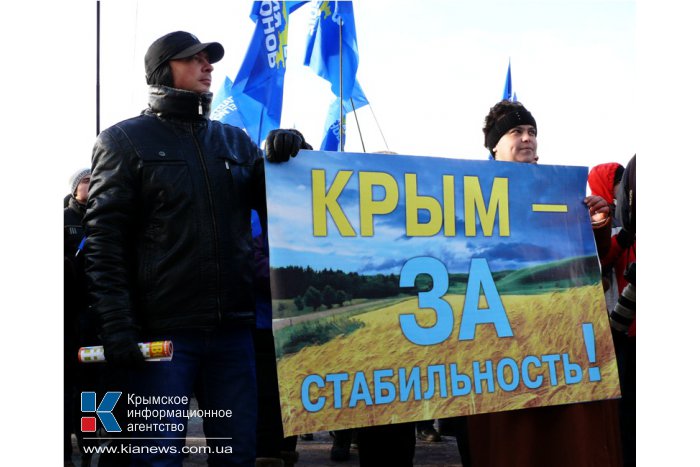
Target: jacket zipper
{"points": [[213, 222]]}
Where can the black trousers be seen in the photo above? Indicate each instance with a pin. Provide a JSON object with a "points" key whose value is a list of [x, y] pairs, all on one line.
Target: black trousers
{"points": [[384, 445], [270, 436], [628, 403]]}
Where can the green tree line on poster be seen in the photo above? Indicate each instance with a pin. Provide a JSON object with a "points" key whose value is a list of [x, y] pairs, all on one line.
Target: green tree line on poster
{"points": [[330, 287], [307, 288]]}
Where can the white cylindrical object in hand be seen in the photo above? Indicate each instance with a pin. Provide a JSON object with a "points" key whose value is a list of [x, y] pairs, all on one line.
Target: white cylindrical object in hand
{"points": [[152, 351]]}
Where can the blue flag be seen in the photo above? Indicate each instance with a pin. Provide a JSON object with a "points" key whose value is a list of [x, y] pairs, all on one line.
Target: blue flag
{"points": [[331, 141], [326, 55], [253, 100], [323, 49], [224, 107], [508, 93]]}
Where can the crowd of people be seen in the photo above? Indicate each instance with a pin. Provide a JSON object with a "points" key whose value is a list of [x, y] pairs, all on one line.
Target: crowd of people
{"points": [[165, 239]]}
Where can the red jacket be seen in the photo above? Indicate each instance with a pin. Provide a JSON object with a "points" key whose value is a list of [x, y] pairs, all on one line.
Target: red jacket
{"points": [[601, 180]]}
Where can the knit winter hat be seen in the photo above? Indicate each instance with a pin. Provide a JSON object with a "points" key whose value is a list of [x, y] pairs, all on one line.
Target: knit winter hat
{"points": [[74, 179], [505, 123]]}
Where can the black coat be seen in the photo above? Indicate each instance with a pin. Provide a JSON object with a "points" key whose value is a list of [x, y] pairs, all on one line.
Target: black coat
{"points": [[168, 218], [72, 228], [76, 323]]}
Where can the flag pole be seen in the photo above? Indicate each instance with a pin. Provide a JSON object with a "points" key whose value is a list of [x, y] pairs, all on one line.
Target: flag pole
{"points": [[340, 51], [378, 126], [352, 102], [97, 80]]}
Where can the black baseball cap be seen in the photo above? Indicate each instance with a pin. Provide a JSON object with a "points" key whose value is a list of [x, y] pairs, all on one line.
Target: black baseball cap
{"points": [[178, 44]]}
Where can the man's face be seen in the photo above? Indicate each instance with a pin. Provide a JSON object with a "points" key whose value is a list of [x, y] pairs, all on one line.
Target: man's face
{"points": [[81, 192], [519, 144], [192, 73]]}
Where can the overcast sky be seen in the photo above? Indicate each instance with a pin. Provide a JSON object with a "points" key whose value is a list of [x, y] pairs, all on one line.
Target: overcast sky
{"points": [[431, 71]]}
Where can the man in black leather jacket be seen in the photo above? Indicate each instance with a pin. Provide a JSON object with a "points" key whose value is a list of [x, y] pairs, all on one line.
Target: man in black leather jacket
{"points": [[169, 252]]}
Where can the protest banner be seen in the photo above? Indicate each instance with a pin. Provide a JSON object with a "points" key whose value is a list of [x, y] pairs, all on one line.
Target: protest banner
{"points": [[409, 288]]}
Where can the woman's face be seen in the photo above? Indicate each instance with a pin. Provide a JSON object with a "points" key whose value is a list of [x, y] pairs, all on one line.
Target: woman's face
{"points": [[519, 144]]}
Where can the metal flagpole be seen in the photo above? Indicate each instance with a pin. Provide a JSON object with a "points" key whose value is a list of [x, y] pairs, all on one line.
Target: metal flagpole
{"points": [[380, 128], [97, 80], [340, 51], [352, 102]]}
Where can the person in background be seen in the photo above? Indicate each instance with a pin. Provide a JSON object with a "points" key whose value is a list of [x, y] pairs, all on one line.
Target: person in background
{"points": [[619, 252], [74, 295], [623, 317], [604, 180], [566, 435], [78, 327], [169, 256], [73, 214], [618, 263]]}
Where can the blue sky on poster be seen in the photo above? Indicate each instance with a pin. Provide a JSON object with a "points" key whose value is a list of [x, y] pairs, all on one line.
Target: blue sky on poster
{"points": [[535, 238], [430, 70]]}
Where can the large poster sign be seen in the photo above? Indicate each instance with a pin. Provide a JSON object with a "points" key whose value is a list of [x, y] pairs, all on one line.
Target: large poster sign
{"points": [[409, 288]]}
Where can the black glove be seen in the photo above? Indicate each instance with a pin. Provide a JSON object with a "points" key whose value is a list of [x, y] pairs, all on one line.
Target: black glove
{"points": [[304, 144], [625, 238], [280, 145], [122, 349]]}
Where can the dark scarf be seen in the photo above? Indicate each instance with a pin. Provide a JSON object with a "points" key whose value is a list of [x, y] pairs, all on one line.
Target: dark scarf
{"points": [[178, 104]]}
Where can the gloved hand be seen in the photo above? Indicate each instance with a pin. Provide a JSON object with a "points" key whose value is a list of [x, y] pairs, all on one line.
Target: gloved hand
{"points": [[280, 145], [122, 349], [304, 144], [625, 238]]}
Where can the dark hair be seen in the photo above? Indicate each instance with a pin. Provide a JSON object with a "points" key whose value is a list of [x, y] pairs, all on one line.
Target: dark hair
{"points": [[507, 114], [162, 76]]}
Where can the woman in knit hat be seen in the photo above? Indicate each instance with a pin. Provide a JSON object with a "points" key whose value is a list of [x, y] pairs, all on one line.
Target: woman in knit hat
{"points": [[561, 435]]}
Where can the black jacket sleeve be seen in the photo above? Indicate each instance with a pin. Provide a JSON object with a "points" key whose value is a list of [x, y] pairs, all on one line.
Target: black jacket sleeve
{"points": [[110, 226]]}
